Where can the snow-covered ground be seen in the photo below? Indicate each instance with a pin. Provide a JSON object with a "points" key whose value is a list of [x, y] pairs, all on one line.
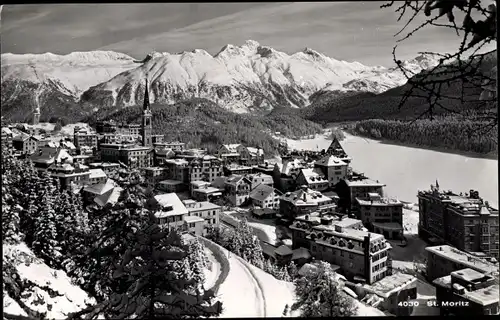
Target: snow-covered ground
{"points": [[367, 311], [213, 272], [264, 229], [69, 129], [406, 170], [72, 298], [240, 293], [45, 126]]}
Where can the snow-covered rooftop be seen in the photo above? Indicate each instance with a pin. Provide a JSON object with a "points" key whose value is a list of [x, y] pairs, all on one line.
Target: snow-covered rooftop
{"points": [[97, 173], [171, 205], [208, 190], [330, 161], [380, 202], [449, 253], [204, 205], [305, 196], [390, 284], [366, 182], [192, 219]]}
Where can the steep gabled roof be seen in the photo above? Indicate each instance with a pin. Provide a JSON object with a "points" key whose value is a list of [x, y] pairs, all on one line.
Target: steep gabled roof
{"points": [[261, 192]]}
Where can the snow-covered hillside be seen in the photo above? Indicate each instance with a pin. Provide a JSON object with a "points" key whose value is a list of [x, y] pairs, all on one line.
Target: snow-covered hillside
{"points": [[248, 77], [73, 73], [241, 78], [52, 293]]}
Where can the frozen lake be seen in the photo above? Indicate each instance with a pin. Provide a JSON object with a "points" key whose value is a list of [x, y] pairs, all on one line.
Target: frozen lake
{"points": [[406, 170]]}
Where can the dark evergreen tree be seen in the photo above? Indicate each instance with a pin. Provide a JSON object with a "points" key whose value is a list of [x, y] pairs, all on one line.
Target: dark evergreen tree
{"points": [[249, 245], [156, 286]]}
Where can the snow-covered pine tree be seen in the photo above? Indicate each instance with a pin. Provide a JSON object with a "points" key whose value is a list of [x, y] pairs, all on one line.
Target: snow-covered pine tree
{"points": [[45, 238], [73, 227], [215, 234], [269, 267], [320, 294], [106, 245], [10, 223], [198, 260], [284, 275], [155, 286], [293, 271], [18, 178], [249, 244]]}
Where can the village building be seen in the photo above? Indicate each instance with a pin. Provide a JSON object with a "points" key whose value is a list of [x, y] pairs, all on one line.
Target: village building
{"points": [[96, 176], [356, 186], [230, 153], [235, 169], [69, 174], [26, 144], [334, 169], [44, 159], [335, 149], [465, 222], [133, 156], [108, 167], [360, 255], [83, 159], [173, 214], [174, 145], [208, 211], [381, 215], [84, 138], [238, 190], [205, 168], [443, 260], [260, 178], [265, 168], [207, 193], [102, 193], [313, 179], [394, 292], [197, 184], [285, 173], [160, 155], [178, 169], [171, 186], [250, 156], [153, 175], [266, 197], [304, 201], [467, 292]]}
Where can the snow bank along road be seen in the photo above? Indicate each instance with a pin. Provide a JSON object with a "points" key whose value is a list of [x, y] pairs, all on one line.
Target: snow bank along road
{"points": [[240, 291]]}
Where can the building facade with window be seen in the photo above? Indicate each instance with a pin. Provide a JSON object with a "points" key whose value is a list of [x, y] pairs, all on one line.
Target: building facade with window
{"points": [[361, 255], [381, 215], [466, 222]]}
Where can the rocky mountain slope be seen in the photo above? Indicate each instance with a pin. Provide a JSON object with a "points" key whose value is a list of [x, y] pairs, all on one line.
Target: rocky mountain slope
{"points": [[55, 82], [334, 105], [245, 78]]}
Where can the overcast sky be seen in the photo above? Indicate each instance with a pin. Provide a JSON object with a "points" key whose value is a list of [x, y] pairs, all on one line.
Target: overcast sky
{"points": [[351, 31]]}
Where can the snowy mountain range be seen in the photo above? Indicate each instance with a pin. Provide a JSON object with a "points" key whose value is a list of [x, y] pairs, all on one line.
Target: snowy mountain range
{"points": [[243, 78]]}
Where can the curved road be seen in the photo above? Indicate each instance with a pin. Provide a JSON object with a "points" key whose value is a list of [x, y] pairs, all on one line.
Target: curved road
{"points": [[241, 293]]}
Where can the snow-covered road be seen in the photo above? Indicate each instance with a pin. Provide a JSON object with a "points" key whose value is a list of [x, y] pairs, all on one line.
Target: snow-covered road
{"points": [[240, 293]]}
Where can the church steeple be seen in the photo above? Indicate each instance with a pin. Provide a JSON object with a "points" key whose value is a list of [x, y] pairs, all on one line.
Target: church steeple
{"points": [[146, 126], [145, 105]]}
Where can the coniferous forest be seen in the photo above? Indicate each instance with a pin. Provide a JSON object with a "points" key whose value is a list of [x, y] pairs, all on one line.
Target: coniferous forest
{"points": [[447, 133], [119, 254], [202, 123]]}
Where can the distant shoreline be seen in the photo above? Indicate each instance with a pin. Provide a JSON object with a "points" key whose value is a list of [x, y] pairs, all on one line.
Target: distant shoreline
{"points": [[469, 154]]}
